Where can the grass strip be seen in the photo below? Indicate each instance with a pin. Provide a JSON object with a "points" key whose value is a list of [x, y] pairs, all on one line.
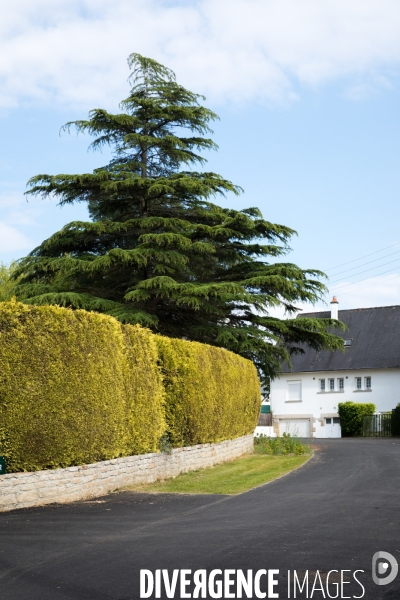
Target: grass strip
{"points": [[232, 477]]}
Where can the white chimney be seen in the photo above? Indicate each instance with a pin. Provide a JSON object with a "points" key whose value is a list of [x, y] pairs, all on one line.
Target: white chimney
{"points": [[334, 308]]}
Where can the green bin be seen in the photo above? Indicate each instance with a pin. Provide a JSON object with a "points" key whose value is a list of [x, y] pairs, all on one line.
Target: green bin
{"points": [[3, 465]]}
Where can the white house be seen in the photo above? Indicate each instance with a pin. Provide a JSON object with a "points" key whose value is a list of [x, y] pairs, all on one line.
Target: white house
{"points": [[305, 397]]}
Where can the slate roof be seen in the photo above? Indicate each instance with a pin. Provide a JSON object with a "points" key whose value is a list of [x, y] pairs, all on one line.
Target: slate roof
{"points": [[375, 335]]}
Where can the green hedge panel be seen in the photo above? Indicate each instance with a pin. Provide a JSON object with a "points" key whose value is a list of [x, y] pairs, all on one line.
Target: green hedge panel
{"points": [[211, 394], [351, 416], [396, 421], [75, 388], [79, 387], [144, 391]]}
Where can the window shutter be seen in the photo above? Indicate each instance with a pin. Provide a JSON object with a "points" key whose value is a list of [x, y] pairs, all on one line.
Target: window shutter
{"points": [[294, 390]]}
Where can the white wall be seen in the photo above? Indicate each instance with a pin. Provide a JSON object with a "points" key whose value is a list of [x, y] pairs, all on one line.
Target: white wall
{"points": [[317, 405], [264, 430]]}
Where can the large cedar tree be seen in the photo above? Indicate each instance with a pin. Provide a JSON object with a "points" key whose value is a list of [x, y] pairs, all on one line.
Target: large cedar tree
{"points": [[158, 250]]}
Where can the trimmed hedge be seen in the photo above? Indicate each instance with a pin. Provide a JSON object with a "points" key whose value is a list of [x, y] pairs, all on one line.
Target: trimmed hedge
{"points": [[79, 387], [351, 416], [211, 394], [75, 388], [396, 421]]}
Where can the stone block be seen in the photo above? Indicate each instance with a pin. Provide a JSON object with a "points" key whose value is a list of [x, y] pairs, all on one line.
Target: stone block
{"points": [[27, 497], [8, 500]]}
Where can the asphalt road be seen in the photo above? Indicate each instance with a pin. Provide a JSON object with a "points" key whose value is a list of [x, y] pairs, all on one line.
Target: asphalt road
{"points": [[333, 513]]}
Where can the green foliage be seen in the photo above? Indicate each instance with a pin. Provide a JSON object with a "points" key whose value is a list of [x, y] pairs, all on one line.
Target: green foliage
{"points": [[351, 416], [7, 282], [144, 390], [159, 252], [79, 387], [280, 445], [75, 388], [396, 421], [211, 394]]}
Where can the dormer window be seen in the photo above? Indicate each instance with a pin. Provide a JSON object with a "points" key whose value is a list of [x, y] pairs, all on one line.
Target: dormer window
{"points": [[347, 342]]}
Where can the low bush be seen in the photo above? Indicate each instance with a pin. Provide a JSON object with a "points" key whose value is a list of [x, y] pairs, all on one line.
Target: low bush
{"points": [[211, 394], [351, 416], [396, 421], [280, 445]]}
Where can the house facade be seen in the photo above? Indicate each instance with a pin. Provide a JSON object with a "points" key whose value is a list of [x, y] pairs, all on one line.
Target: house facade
{"points": [[304, 398]]}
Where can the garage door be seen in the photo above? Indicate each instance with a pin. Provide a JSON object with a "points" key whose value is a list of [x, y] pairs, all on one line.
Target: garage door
{"points": [[296, 427]]}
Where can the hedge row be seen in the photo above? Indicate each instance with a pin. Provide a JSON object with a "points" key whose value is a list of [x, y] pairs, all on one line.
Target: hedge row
{"points": [[75, 387], [211, 394], [351, 416], [396, 421], [79, 387]]}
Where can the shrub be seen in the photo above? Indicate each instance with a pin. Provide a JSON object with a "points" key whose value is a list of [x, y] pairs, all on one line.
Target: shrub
{"points": [[351, 416], [75, 387], [79, 387], [144, 391], [396, 421], [211, 394], [7, 284], [280, 445]]}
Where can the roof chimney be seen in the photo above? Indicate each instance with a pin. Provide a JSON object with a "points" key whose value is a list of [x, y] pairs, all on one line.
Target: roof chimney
{"points": [[334, 308]]}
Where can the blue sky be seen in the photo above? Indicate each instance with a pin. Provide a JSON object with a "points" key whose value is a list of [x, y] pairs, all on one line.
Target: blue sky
{"points": [[308, 96]]}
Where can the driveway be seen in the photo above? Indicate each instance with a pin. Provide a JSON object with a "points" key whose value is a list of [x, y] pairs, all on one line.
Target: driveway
{"points": [[333, 513]]}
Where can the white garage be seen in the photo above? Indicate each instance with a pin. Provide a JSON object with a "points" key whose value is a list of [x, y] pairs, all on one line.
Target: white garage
{"points": [[296, 427]]}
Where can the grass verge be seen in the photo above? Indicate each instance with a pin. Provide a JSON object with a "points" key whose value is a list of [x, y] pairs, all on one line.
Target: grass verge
{"points": [[232, 477]]}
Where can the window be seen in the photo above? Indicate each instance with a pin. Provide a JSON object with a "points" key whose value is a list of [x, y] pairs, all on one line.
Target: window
{"points": [[322, 385], [347, 342], [341, 384], [363, 384], [331, 385], [294, 390], [336, 421]]}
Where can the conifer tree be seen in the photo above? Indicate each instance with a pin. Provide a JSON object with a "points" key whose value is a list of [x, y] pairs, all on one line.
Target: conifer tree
{"points": [[159, 251]]}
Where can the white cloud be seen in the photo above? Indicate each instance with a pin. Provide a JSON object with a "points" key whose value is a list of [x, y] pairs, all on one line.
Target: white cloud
{"points": [[14, 209], [15, 217], [74, 51], [12, 240]]}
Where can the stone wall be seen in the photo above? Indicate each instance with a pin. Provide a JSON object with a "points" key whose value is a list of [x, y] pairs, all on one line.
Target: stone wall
{"points": [[21, 490]]}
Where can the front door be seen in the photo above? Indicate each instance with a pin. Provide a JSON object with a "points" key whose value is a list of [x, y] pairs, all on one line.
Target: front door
{"points": [[332, 427]]}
